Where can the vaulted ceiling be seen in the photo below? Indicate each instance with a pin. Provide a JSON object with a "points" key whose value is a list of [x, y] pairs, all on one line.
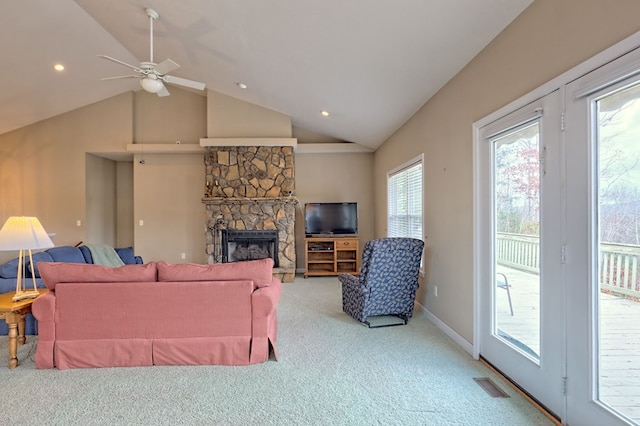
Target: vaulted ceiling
{"points": [[370, 63]]}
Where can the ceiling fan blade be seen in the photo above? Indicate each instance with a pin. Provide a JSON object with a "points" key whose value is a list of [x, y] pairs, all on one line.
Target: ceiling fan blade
{"points": [[163, 91], [184, 82], [166, 66], [137, 69], [120, 76]]}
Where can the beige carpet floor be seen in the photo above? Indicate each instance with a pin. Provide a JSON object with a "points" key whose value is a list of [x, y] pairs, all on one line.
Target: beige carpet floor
{"points": [[331, 371]]}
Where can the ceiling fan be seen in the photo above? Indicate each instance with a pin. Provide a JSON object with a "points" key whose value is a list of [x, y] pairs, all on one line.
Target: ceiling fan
{"points": [[152, 75]]}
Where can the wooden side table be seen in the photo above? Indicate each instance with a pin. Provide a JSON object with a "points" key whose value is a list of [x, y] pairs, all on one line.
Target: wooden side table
{"points": [[13, 313]]}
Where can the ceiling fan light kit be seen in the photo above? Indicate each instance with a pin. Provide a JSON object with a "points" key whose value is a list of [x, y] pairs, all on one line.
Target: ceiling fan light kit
{"points": [[152, 75], [151, 84]]}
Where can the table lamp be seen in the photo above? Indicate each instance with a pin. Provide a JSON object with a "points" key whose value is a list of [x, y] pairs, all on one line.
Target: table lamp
{"points": [[24, 234]]}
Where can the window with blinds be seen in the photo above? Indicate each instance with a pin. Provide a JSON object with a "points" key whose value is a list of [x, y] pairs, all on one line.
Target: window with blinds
{"points": [[404, 200]]}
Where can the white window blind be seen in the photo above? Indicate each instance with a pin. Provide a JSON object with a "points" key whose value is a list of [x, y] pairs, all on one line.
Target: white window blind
{"points": [[404, 211]]}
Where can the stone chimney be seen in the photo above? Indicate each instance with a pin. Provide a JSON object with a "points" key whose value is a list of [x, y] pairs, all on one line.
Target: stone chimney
{"points": [[251, 188]]}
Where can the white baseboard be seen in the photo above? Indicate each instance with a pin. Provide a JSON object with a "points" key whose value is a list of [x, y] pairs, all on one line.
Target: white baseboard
{"points": [[464, 344]]}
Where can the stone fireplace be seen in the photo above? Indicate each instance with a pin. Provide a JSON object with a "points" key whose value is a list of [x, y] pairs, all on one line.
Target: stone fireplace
{"points": [[250, 188]]}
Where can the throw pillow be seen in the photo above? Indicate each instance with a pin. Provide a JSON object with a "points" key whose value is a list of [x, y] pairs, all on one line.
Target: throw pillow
{"points": [[86, 254], [126, 254], [42, 256], [9, 269], [66, 254]]}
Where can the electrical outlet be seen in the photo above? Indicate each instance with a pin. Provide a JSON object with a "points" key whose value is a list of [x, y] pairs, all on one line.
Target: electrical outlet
{"points": [[78, 223], [141, 222], [183, 256]]}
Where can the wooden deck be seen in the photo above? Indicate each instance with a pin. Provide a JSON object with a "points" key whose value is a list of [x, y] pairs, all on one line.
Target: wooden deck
{"points": [[619, 337]]}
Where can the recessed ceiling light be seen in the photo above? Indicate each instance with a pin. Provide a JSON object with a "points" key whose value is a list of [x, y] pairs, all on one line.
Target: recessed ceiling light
{"points": [[58, 67], [242, 85], [324, 113]]}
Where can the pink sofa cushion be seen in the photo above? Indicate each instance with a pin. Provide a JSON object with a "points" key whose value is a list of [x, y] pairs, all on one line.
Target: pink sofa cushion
{"points": [[259, 271], [60, 272]]}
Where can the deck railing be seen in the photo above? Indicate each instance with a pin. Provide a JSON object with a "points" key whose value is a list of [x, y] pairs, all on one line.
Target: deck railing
{"points": [[619, 269], [519, 251], [619, 263]]}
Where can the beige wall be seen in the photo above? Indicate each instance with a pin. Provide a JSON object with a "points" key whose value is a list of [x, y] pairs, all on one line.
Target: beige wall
{"points": [[232, 118], [124, 204], [168, 188], [334, 178], [42, 166], [547, 39], [101, 219], [168, 192], [182, 116]]}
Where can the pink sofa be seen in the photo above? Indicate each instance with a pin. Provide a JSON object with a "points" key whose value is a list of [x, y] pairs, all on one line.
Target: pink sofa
{"points": [[156, 314]]}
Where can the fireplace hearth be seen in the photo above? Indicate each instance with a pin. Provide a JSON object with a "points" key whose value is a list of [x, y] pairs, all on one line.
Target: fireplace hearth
{"points": [[243, 245]]}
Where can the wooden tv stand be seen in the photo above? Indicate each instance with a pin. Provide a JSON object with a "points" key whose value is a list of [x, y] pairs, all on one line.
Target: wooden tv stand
{"points": [[331, 256]]}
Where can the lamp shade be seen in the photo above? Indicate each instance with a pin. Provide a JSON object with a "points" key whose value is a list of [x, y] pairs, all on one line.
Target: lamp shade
{"points": [[23, 233]]}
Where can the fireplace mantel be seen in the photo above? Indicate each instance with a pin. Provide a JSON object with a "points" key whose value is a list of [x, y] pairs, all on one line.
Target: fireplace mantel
{"points": [[221, 142]]}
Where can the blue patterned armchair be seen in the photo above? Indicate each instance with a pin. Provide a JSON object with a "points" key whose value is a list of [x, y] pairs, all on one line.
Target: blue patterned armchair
{"points": [[388, 280]]}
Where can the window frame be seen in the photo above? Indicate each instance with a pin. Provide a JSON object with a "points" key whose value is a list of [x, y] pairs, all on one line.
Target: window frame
{"points": [[406, 167]]}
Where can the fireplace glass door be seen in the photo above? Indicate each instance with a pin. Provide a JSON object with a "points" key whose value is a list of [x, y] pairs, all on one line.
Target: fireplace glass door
{"points": [[243, 245]]}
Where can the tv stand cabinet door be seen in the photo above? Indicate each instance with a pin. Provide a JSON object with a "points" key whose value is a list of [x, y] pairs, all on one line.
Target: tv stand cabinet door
{"points": [[347, 259]]}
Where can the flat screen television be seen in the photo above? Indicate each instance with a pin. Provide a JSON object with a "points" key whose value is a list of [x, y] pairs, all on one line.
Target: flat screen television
{"points": [[330, 219]]}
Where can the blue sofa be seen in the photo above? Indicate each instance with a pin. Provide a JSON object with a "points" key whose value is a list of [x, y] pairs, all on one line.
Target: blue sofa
{"points": [[82, 254]]}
